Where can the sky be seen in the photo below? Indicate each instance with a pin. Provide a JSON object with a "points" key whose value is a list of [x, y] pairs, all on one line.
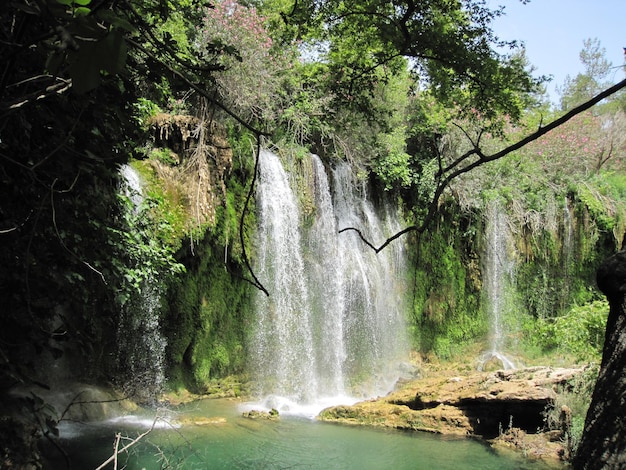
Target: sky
{"points": [[553, 32]]}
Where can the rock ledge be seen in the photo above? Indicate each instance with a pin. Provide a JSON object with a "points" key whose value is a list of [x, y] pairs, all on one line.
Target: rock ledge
{"points": [[484, 404]]}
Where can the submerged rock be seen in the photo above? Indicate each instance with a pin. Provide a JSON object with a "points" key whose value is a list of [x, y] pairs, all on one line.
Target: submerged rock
{"points": [[202, 420], [74, 401]]}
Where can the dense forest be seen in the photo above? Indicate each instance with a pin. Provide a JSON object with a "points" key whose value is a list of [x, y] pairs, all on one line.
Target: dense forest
{"points": [[431, 109]]}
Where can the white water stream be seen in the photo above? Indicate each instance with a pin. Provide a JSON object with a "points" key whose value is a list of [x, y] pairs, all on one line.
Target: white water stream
{"points": [[332, 329], [498, 276], [140, 342]]}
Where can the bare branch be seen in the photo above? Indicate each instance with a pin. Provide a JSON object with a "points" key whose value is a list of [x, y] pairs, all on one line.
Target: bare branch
{"points": [[56, 229], [56, 89], [255, 281], [117, 451]]}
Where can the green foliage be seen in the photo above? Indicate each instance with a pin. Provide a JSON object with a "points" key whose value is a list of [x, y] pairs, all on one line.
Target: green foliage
{"points": [[579, 333], [164, 215], [164, 155], [449, 45], [604, 197], [587, 84], [145, 256], [394, 167], [247, 51], [144, 109], [576, 396]]}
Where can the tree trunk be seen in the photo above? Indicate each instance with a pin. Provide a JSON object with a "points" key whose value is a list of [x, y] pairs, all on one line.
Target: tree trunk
{"points": [[603, 444]]}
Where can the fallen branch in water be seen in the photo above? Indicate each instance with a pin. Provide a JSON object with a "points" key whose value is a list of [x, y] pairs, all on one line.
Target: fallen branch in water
{"points": [[117, 450]]}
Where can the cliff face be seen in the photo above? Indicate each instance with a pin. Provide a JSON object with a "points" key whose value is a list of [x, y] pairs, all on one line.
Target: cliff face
{"points": [[199, 192], [191, 158]]}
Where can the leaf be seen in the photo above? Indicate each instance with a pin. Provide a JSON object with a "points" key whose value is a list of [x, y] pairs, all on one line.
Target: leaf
{"points": [[115, 20], [113, 51], [107, 54], [86, 27], [54, 62], [82, 2], [85, 67], [81, 11]]}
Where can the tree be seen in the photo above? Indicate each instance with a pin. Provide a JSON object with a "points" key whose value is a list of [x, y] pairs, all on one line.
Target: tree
{"points": [[603, 444], [253, 70], [589, 83], [450, 47]]}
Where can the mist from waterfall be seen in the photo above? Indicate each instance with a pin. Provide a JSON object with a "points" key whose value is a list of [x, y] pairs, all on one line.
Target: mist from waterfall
{"points": [[332, 329], [498, 281]]}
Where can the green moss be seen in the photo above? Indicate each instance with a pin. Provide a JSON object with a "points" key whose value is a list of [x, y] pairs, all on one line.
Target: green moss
{"points": [[206, 325], [164, 206], [210, 305], [445, 287]]}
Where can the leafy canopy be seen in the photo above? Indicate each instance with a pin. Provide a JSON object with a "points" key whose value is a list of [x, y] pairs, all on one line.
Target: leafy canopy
{"points": [[449, 44]]}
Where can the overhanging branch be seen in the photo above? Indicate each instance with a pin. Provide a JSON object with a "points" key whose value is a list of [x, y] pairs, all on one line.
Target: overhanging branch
{"points": [[453, 171]]}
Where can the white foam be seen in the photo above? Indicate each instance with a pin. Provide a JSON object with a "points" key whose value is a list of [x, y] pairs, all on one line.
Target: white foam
{"points": [[155, 422], [289, 407]]}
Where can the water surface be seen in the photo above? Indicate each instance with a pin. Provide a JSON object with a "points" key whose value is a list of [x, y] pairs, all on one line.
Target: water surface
{"points": [[229, 441]]}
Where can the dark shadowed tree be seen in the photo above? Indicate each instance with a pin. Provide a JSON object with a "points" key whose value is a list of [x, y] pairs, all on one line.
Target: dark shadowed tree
{"points": [[603, 444]]}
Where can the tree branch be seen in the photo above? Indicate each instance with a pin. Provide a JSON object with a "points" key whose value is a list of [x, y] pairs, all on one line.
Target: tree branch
{"points": [[199, 89], [56, 229], [255, 281], [117, 451], [451, 173], [8, 107]]}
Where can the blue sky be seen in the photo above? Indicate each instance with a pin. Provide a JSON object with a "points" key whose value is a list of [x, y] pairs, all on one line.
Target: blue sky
{"points": [[554, 30]]}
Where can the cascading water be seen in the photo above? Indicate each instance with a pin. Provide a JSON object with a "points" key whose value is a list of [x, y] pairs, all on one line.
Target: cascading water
{"points": [[140, 343], [332, 328], [498, 276], [372, 288], [567, 253]]}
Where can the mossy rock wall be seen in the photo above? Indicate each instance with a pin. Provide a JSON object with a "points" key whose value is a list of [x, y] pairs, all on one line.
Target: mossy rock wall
{"points": [[551, 275], [209, 306], [206, 323], [446, 284]]}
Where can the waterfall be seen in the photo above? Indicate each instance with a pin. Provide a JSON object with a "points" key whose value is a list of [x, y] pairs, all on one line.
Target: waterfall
{"points": [[498, 277], [283, 346], [371, 286], [140, 343], [131, 186], [568, 252], [332, 329]]}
